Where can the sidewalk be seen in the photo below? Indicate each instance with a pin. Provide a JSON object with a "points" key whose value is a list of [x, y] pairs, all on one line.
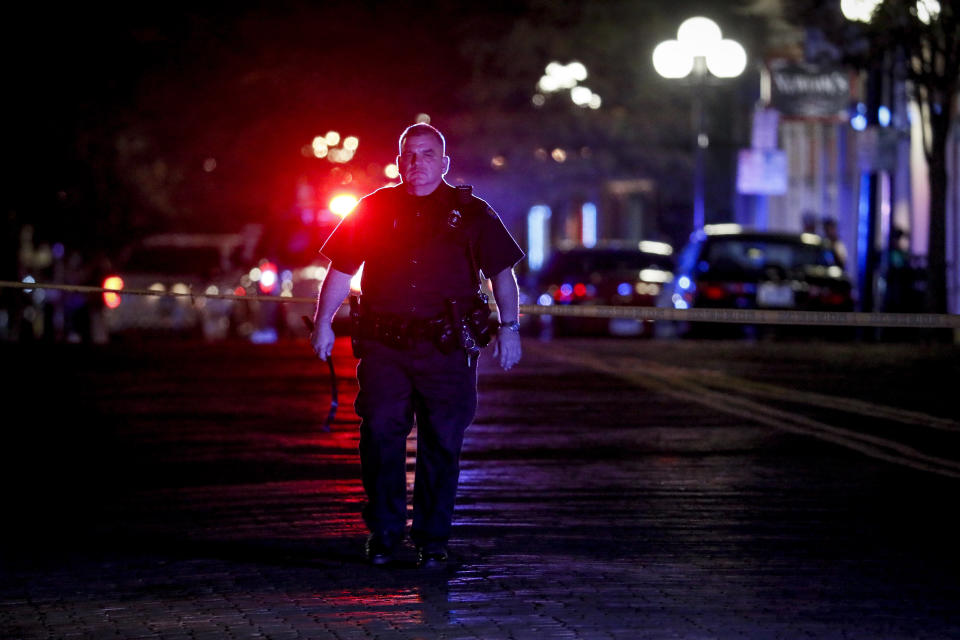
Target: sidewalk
{"points": [[203, 502]]}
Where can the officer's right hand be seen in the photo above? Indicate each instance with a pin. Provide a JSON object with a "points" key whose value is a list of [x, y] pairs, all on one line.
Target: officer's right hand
{"points": [[322, 340]]}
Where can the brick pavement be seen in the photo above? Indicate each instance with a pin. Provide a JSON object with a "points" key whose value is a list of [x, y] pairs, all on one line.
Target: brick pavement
{"points": [[202, 503]]}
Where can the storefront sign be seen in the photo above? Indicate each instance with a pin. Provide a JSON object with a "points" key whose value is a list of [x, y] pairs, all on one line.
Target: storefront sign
{"points": [[805, 90]]}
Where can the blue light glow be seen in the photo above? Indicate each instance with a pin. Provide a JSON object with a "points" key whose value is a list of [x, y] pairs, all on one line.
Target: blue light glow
{"points": [[883, 116], [624, 288], [859, 122], [683, 283], [863, 224]]}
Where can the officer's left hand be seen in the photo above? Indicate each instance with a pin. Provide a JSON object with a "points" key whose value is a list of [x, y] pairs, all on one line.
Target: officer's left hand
{"points": [[507, 348]]}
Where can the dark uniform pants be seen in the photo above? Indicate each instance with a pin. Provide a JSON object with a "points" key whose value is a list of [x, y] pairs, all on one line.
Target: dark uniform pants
{"points": [[441, 391]]}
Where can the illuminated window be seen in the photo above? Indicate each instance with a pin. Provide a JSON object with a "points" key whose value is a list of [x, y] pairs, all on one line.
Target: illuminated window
{"points": [[538, 235], [588, 221]]}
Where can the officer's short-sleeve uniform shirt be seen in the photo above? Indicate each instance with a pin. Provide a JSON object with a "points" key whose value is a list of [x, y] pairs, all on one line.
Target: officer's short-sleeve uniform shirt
{"points": [[416, 250]]}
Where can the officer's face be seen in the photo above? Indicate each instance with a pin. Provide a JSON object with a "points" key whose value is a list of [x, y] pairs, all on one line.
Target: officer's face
{"points": [[422, 164]]}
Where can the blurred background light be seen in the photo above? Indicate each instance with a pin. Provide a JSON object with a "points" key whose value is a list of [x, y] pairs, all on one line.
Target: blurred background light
{"points": [[563, 77], [351, 143], [319, 147], [659, 248], [928, 10], [268, 277], [859, 10], [342, 204], [332, 138], [391, 171], [110, 299], [883, 115], [581, 95]]}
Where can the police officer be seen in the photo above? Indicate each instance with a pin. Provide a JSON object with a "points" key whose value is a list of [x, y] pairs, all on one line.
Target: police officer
{"points": [[423, 245]]}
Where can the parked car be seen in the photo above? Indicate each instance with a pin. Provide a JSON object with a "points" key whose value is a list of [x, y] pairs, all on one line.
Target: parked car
{"points": [[730, 267], [617, 274], [182, 264], [271, 320]]}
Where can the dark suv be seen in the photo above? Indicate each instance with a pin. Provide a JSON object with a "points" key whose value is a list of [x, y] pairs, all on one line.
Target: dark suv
{"points": [[629, 274], [727, 266]]}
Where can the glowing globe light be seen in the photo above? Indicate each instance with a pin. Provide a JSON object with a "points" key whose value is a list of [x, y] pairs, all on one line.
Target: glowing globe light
{"points": [[699, 51], [319, 146], [351, 143], [332, 138], [699, 34], [672, 60], [727, 59], [699, 38], [566, 77], [341, 205], [577, 71], [581, 95], [859, 10], [549, 84], [391, 171], [928, 10]]}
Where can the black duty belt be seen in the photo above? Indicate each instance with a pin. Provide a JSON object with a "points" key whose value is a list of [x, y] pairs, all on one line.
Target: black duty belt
{"points": [[465, 325], [401, 332]]}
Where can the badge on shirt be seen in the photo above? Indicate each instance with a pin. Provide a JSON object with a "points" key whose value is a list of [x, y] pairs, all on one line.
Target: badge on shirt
{"points": [[454, 218]]}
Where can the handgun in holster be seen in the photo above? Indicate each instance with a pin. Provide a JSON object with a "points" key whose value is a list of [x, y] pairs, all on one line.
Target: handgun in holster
{"points": [[463, 331], [481, 319]]}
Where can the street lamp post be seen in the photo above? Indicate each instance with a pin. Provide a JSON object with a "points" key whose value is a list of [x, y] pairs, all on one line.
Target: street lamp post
{"points": [[699, 52]]}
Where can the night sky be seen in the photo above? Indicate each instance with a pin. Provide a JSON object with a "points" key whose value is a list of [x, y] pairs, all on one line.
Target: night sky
{"points": [[118, 111]]}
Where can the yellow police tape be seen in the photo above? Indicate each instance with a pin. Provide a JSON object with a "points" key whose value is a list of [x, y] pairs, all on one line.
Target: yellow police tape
{"points": [[734, 316]]}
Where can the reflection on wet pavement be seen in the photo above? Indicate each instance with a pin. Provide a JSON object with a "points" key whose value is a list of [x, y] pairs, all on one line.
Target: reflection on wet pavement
{"points": [[590, 507]]}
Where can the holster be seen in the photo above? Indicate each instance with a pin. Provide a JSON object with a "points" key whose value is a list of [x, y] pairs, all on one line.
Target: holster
{"points": [[355, 326], [472, 327], [479, 318]]}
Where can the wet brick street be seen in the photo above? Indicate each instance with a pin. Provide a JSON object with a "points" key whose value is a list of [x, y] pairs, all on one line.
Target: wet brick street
{"points": [[610, 489]]}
